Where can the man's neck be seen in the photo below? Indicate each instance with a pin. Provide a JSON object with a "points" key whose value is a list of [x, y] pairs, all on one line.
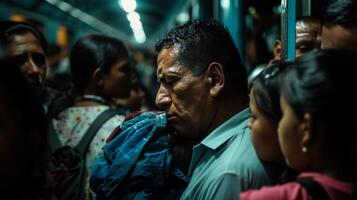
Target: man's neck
{"points": [[227, 108]]}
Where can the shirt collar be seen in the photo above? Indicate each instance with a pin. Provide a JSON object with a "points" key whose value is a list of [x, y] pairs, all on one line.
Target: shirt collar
{"points": [[226, 130]]}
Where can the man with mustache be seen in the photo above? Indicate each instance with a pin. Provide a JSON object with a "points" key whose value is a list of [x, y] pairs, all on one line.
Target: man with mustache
{"points": [[203, 89]]}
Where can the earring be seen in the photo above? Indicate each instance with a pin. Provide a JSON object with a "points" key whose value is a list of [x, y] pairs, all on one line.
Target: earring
{"points": [[304, 149]]}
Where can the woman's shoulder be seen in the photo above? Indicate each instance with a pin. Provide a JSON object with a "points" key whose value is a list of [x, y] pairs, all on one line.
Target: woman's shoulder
{"points": [[288, 191], [335, 189]]}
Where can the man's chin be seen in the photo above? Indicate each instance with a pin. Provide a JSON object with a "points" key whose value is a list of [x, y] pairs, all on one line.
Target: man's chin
{"points": [[175, 128], [37, 88], [34, 82]]}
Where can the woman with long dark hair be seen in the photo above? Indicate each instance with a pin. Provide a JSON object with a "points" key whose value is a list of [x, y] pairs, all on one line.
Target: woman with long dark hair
{"points": [[316, 133], [100, 70]]}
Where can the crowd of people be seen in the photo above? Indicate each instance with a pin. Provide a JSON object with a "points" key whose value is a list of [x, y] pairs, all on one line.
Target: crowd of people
{"points": [[217, 133]]}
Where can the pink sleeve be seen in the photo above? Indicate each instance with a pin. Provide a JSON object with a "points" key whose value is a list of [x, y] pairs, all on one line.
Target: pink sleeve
{"points": [[290, 191]]}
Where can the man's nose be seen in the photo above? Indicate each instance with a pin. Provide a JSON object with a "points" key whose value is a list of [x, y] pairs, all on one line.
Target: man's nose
{"points": [[163, 99], [32, 67]]}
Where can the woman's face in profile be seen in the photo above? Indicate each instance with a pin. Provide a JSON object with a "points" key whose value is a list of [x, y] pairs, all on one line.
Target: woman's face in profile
{"points": [[264, 133], [291, 134]]}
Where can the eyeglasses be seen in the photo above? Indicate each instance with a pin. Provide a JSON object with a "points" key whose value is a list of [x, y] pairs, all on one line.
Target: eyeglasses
{"points": [[38, 59], [274, 69]]}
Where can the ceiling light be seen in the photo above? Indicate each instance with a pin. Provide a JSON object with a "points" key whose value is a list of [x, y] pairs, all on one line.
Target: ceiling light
{"points": [[183, 17], [52, 1], [128, 5], [64, 6], [139, 36], [225, 4], [136, 25], [76, 12], [133, 16]]}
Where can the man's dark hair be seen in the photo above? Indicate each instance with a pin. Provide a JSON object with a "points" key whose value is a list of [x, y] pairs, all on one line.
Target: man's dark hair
{"points": [[341, 12], [8, 29], [201, 42]]}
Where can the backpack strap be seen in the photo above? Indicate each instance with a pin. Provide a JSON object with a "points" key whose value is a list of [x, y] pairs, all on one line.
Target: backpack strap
{"points": [[314, 188], [55, 143], [53, 139], [93, 129]]}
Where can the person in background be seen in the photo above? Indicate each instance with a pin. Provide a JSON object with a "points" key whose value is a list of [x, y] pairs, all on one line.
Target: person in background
{"points": [[313, 136], [23, 139], [137, 99], [145, 67], [26, 47], [100, 71], [340, 25], [58, 74], [308, 37], [308, 34], [203, 89]]}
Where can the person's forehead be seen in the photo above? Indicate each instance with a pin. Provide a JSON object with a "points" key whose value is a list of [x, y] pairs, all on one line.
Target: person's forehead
{"points": [[120, 62], [167, 56], [167, 61], [310, 27], [26, 42], [305, 37]]}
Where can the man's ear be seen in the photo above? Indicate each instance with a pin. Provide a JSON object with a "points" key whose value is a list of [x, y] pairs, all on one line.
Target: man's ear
{"points": [[306, 130], [216, 78], [98, 77], [277, 50]]}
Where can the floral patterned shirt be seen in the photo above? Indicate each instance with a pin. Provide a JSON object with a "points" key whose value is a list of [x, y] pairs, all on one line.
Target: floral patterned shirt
{"points": [[73, 122]]}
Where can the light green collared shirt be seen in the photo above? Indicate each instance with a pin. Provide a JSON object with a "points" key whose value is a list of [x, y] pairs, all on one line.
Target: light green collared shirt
{"points": [[225, 163]]}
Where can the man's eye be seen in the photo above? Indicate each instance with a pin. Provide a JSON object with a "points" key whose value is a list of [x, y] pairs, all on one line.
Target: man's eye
{"points": [[170, 81], [305, 48], [19, 60], [167, 80], [39, 59]]}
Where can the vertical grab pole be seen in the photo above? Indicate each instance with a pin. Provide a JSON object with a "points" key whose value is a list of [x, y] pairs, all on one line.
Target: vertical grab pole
{"points": [[288, 29], [231, 14]]}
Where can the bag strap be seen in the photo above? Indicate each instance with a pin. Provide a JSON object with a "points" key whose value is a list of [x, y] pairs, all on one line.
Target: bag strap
{"points": [[93, 129], [314, 188], [53, 139], [55, 143]]}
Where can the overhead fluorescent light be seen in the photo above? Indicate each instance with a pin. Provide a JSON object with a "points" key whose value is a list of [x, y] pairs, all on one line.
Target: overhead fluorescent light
{"points": [[128, 5], [136, 25], [76, 12], [139, 36], [64, 6], [183, 17], [225, 4], [133, 16]]}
